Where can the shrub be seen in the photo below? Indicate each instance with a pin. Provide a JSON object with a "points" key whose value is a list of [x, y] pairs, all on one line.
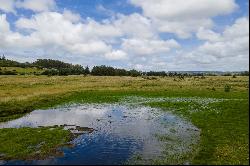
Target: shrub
{"points": [[50, 72]]}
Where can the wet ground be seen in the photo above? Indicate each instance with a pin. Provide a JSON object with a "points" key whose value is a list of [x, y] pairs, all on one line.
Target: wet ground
{"points": [[112, 133]]}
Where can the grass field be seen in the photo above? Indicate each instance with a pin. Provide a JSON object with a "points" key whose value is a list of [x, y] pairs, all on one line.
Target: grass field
{"points": [[224, 125]]}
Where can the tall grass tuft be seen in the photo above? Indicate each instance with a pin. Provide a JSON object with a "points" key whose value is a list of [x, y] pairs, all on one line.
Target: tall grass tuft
{"points": [[227, 88]]}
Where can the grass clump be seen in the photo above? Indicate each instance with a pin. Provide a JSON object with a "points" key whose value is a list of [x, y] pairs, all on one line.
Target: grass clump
{"points": [[227, 88]]}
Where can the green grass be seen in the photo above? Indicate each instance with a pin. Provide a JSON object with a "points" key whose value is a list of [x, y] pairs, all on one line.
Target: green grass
{"points": [[224, 125], [224, 130], [31, 143]]}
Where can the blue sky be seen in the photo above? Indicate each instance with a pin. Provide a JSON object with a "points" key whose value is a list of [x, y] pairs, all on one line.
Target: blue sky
{"points": [[145, 35]]}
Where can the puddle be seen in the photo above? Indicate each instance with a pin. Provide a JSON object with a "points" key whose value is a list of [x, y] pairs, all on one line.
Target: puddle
{"points": [[115, 133]]}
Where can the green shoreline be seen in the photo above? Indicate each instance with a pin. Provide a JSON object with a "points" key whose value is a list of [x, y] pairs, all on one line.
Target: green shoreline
{"points": [[14, 109], [32, 143]]}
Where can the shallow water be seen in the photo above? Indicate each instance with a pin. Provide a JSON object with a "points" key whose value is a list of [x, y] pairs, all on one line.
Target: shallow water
{"points": [[120, 132]]}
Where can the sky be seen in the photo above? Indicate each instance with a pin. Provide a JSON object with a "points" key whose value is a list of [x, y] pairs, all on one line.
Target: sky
{"points": [[159, 35]]}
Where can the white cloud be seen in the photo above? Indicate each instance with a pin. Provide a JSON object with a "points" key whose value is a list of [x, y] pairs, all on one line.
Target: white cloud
{"points": [[91, 37], [148, 47], [116, 55], [7, 6], [37, 5], [172, 9], [92, 47], [73, 17], [102, 9], [61, 24], [135, 26], [103, 30], [207, 34], [4, 25], [52, 31], [133, 40], [183, 18], [239, 29], [230, 48]]}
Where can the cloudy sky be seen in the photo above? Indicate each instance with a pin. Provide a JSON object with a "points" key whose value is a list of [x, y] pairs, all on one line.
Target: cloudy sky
{"points": [[132, 34]]}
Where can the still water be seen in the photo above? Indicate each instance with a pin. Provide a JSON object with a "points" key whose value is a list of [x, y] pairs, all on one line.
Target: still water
{"points": [[119, 132]]}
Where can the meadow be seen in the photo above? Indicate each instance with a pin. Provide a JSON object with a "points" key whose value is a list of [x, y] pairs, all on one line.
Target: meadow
{"points": [[224, 125]]}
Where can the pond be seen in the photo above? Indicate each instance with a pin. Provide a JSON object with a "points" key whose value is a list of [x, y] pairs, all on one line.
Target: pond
{"points": [[117, 133]]}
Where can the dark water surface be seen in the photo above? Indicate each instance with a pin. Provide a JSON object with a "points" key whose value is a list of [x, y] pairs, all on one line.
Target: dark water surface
{"points": [[121, 131]]}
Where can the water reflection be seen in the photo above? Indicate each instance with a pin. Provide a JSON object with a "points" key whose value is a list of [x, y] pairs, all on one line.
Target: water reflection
{"points": [[120, 131]]}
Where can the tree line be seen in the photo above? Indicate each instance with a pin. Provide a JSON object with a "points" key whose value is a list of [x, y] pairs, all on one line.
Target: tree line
{"points": [[56, 67]]}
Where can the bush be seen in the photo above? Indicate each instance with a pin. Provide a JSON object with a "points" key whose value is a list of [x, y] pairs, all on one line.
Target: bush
{"points": [[8, 73], [50, 72], [227, 88]]}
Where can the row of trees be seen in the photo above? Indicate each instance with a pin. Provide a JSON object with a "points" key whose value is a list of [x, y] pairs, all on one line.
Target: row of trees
{"points": [[110, 71], [56, 67], [51, 67]]}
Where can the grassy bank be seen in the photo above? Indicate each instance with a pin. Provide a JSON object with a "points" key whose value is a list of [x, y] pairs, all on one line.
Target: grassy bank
{"points": [[32, 143], [224, 125], [224, 130]]}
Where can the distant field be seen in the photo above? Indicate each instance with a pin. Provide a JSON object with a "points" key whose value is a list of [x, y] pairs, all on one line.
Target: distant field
{"points": [[20, 70], [25, 87], [224, 136]]}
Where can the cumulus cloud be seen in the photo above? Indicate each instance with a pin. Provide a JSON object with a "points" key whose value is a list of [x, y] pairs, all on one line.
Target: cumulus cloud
{"points": [[134, 40], [37, 5], [7, 6], [232, 45], [207, 34], [135, 25], [183, 18], [4, 25], [225, 51], [116, 55], [53, 30], [73, 17], [67, 32], [148, 47], [10, 6]]}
